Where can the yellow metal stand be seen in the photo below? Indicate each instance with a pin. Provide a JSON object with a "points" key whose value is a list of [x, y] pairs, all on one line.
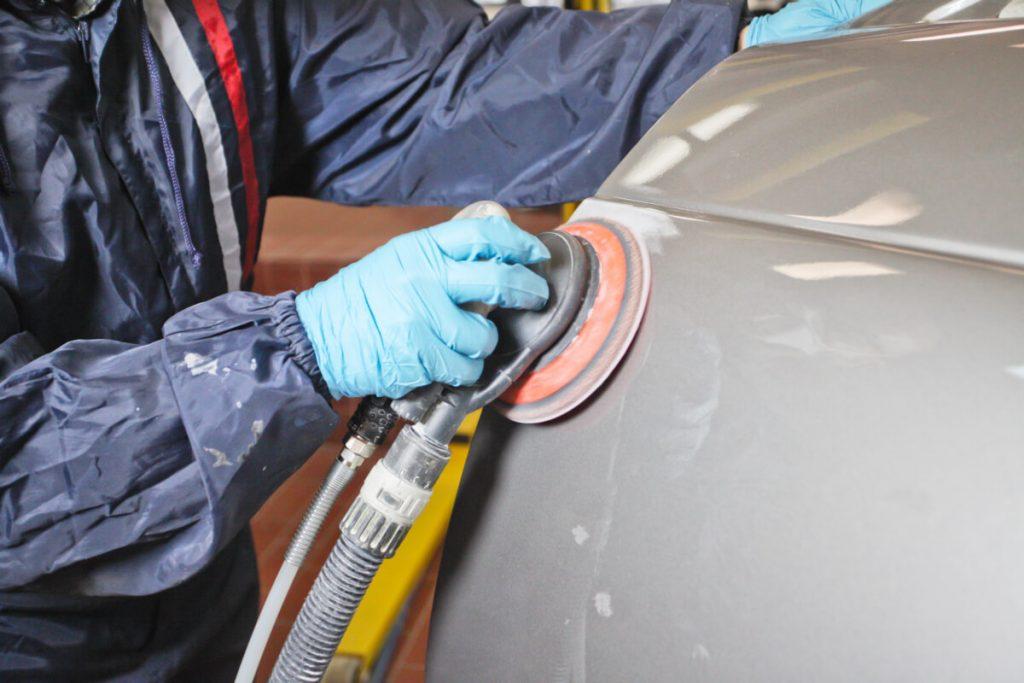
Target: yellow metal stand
{"points": [[567, 209], [593, 5]]}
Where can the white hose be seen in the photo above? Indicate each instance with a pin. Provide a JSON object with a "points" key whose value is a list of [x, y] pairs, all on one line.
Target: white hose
{"points": [[265, 624], [302, 541]]}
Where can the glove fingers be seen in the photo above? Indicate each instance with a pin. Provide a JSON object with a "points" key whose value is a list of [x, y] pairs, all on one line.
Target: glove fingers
{"points": [[493, 237], [470, 334], [448, 366], [497, 284]]}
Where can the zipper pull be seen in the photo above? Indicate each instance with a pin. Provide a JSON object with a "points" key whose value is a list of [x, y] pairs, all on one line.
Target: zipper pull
{"points": [[83, 33]]}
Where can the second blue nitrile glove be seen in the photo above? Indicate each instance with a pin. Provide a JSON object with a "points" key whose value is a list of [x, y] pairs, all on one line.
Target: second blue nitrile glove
{"points": [[391, 322], [803, 19]]}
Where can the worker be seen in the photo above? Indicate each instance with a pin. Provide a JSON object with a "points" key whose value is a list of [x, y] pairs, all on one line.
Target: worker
{"points": [[149, 404]]}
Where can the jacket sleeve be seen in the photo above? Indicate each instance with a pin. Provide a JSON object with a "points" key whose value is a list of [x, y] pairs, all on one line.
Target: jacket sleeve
{"points": [[124, 468], [395, 102]]}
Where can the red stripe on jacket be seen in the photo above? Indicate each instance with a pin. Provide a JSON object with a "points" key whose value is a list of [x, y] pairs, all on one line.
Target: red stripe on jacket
{"points": [[216, 29]]}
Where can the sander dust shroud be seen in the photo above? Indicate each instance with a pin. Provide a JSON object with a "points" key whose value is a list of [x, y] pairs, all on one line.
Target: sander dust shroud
{"points": [[547, 363]]}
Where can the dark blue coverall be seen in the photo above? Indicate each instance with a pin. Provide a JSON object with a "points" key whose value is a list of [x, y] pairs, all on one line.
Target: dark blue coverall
{"points": [[149, 404]]}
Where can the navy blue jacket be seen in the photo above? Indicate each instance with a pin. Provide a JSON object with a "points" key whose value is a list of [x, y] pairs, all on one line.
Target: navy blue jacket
{"points": [[149, 404]]}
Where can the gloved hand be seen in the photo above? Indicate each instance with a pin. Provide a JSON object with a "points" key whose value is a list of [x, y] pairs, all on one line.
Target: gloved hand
{"points": [[390, 322], [804, 18]]}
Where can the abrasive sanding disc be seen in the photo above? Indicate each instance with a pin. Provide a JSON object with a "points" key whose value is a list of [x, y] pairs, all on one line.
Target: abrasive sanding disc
{"points": [[575, 367]]}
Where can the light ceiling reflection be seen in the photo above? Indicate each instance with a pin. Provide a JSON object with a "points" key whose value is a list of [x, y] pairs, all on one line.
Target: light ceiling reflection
{"points": [[712, 125], [830, 270], [657, 161], [967, 34], [888, 208], [948, 9]]}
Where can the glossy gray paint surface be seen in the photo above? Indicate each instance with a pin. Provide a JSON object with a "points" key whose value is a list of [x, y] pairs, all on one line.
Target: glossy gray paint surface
{"points": [[809, 467], [913, 136], [930, 11]]}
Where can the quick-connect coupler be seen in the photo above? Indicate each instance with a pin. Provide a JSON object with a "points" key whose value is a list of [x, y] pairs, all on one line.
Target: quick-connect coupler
{"points": [[395, 492]]}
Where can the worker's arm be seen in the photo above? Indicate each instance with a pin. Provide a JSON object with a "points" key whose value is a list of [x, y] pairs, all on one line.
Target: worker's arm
{"points": [[389, 101], [124, 468], [804, 20]]}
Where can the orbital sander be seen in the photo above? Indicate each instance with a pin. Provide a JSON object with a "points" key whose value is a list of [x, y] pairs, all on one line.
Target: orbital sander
{"points": [[546, 364], [599, 277]]}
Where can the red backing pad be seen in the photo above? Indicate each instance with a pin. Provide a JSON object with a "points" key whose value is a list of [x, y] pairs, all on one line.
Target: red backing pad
{"points": [[586, 362]]}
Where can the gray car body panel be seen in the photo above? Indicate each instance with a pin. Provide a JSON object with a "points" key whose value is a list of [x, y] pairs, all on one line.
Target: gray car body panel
{"points": [[809, 465], [930, 11], [910, 136]]}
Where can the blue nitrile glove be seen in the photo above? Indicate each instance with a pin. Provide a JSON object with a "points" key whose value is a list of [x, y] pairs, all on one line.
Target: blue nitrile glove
{"points": [[804, 18], [391, 322]]}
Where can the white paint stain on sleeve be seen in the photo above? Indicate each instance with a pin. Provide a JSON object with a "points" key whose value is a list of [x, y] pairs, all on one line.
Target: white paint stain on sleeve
{"points": [[220, 458], [256, 428], [580, 534], [603, 604], [199, 364]]}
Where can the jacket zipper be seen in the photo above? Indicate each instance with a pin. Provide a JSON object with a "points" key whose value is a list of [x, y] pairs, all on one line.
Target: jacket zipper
{"points": [[82, 31], [168, 147], [6, 173]]}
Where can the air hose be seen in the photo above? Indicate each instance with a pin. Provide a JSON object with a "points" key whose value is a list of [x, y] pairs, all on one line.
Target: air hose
{"points": [[368, 428], [398, 487]]}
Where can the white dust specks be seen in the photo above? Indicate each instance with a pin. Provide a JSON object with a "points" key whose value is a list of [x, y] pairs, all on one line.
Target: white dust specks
{"points": [[252, 364], [700, 653], [238, 404], [603, 604], [199, 364], [580, 534]]}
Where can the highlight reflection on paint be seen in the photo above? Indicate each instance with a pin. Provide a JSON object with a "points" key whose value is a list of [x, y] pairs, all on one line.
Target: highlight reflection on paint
{"points": [[967, 34], [659, 160], [828, 270], [884, 209]]}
